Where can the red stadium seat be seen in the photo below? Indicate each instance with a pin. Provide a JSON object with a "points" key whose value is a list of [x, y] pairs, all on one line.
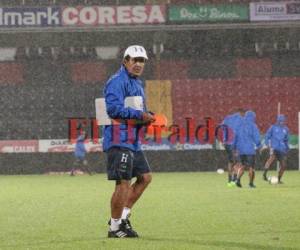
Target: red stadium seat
{"points": [[218, 98]]}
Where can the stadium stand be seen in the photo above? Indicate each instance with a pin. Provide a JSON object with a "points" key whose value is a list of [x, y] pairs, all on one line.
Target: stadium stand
{"points": [[213, 67], [11, 73], [88, 72], [53, 91], [216, 98], [170, 69], [55, 76], [253, 67], [53, 82]]}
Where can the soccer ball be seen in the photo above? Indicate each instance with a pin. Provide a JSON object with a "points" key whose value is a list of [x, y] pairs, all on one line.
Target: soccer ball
{"points": [[220, 171], [273, 180]]}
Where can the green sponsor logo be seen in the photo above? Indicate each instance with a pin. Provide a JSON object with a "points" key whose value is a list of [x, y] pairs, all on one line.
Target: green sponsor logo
{"points": [[209, 13]]}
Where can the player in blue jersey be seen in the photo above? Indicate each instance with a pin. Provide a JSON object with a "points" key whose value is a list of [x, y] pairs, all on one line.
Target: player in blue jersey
{"points": [[230, 125], [246, 142], [80, 154], [277, 140]]}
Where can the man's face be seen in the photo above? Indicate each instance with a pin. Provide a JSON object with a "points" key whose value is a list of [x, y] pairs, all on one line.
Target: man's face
{"points": [[135, 66]]}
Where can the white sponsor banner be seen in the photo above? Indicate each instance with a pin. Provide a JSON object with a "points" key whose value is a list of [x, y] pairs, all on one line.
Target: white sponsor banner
{"points": [[274, 11], [55, 146], [155, 147], [196, 146], [64, 145], [112, 15]]}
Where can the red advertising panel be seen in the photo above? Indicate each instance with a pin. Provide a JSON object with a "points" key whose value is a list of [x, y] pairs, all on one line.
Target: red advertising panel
{"points": [[19, 146]]}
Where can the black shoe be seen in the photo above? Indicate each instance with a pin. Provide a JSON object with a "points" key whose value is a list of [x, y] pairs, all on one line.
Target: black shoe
{"points": [[280, 182], [251, 185], [129, 227], [265, 178], [125, 230], [238, 184], [118, 234]]}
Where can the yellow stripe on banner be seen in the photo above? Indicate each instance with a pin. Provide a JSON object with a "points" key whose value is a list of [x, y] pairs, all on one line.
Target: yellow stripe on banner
{"points": [[159, 99]]}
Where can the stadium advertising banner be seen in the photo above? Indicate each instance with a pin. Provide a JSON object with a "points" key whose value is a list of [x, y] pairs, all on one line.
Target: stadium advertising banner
{"points": [[60, 146], [30, 17], [208, 13], [274, 11], [80, 16], [106, 15], [18, 146], [64, 146], [167, 145], [51, 146]]}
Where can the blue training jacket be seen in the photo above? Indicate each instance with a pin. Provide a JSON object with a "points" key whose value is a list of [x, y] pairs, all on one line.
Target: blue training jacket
{"points": [[232, 122], [80, 150], [277, 136], [117, 88], [247, 137]]}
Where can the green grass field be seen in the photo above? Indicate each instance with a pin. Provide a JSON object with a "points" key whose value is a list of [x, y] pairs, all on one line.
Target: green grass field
{"points": [[179, 211]]}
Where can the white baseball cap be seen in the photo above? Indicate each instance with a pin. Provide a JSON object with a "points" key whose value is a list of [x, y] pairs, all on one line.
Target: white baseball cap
{"points": [[136, 51]]}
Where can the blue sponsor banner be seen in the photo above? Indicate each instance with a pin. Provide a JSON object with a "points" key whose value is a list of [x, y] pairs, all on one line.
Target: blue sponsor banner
{"points": [[30, 17]]}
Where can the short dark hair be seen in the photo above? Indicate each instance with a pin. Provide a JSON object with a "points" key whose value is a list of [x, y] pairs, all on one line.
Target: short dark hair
{"points": [[127, 58], [238, 110], [241, 110]]}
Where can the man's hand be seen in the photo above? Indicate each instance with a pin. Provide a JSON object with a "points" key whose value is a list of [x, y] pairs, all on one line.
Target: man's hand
{"points": [[148, 117]]}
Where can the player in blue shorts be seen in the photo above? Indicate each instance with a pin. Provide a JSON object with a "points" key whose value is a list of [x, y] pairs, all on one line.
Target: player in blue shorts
{"points": [[80, 154], [230, 125], [125, 160], [277, 140], [247, 141]]}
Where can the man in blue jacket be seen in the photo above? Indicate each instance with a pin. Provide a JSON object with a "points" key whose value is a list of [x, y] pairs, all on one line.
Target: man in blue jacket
{"points": [[277, 140], [246, 142], [230, 125], [125, 159]]}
